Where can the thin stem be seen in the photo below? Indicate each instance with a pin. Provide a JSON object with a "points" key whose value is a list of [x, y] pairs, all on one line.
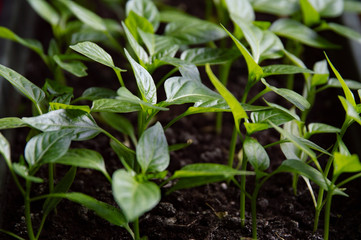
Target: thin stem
{"points": [[318, 208], [119, 76], [41, 226], [254, 210], [136, 229], [326, 228], [242, 199], [232, 147], [11, 234], [260, 94], [28, 211], [170, 73], [51, 177], [125, 148]]}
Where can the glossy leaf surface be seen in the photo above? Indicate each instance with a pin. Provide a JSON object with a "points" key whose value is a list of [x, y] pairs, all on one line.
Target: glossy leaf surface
{"points": [[256, 154], [202, 56]]}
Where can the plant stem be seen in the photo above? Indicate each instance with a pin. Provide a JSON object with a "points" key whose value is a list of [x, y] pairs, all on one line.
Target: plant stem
{"points": [[160, 82], [254, 210], [242, 209], [326, 229], [136, 229], [51, 177], [28, 212], [232, 147], [223, 77], [11, 234]]}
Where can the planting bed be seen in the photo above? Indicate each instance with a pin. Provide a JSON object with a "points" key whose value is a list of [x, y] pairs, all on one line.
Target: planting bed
{"points": [[206, 212]]}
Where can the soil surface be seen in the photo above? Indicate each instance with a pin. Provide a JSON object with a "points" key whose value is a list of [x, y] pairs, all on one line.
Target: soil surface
{"points": [[207, 212]]}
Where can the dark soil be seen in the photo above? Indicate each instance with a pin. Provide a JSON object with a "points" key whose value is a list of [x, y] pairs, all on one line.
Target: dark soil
{"points": [[207, 212]]}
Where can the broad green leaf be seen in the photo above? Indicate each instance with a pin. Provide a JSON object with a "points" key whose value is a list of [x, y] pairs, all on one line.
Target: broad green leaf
{"points": [[290, 150], [11, 122], [95, 93], [237, 109], [351, 112], [137, 48], [81, 123], [23, 172], [279, 7], [255, 127], [190, 71], [352, 6], [198, 174], [276, 116], [344, 31], [86, 16], [256, 154], [321, 73], [56, 106], [181, 90], [56, 88], [328, 8], [119, 123], [159, 46], [46, 11], [84, 158], [351, 84], [74, 67], [134, 198], [102, 209], [348, 94], [5, 149], [94, 52], [30, 90], [317, 128], [146, 9], [283, 69], [135, 21], [152, 150], [254, 70], [346, 163], [297, 31], [286, 111], [47, 147], [293, 97], [29, 43], [240, 9], [191, 30], [144, 80], [309, 13], [202, 56], [63, 186], [264, 43], [302, 168]]}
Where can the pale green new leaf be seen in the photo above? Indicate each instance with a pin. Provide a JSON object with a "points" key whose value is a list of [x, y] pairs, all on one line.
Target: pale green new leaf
{"points": [[134, 198], [136, 22], [46, 11], [240, 9], [256, 154], [279, 69], [350, 109], [295, 30], [56, 106], [144, 80], [346, 163], [146, 9], [11, 122], [137, 48], [279, 7], [254, 70], [86, 16], [321, 73], [23, 172], [82, 124], [30, 90], [47, 147], [309, 13], [152, 150], [237, 109]]}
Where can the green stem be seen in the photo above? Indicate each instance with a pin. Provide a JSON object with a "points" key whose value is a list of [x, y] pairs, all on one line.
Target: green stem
{"points": [[260, 94], [28, 211], [136, 229], [318, 208], [119, 76], [232, 148], [51, 177], [41, 226], [11, 234], [125, 148], [170, 73], [254, 210], [326, 228], [242, 201]]}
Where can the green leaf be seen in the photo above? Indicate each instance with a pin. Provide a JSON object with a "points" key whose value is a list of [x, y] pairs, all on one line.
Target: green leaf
{"points": [[256, 154], [321, 73], [95, 93], [344, 31], [199, 174], [144, 80], [102, 209], [317, 128], [63, 186], [328, 8], [125, 156], [191, 30], [254, 70], [276, 116], [352, 6], [81, 123], [120, 124], [135, 21], [134, 198], [237, 109], [46, 11], [348, 94], [152, 150], [202, 56], [240, 9], [11, 122], [84, 158], [5, 150], [56, 106], [351, 111], [290, 150], [146, 9], [302, 168], [47, 147], [86, 16], [74, 67], [297, 31], [30, 90], [23, 172], [137, 48], [283, 69], [29, 43], [351, 84], [180, 90], [279, 7], [159, 46], [293, 97], [346, 163], [264, 43], [309, 13]]}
